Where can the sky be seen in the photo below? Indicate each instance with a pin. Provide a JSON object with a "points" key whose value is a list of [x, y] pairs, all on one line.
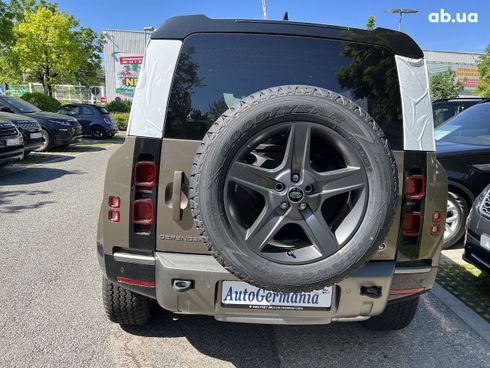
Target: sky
{"points": [[452, 36]]}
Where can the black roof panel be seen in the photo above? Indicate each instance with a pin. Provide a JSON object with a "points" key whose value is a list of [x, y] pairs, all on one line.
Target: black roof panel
{"points": [[178, 28]]}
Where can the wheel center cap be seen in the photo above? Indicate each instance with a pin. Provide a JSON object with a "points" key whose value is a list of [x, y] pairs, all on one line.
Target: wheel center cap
{"points": [[296, 194]]}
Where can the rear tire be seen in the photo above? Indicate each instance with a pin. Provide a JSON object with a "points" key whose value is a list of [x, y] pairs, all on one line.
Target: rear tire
{"points": [[125, 307], [396, 316], [98, 132]]}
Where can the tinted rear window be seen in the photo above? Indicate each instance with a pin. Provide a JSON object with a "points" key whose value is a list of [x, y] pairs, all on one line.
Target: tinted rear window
{"points": [[103, 110], [215, 71]]}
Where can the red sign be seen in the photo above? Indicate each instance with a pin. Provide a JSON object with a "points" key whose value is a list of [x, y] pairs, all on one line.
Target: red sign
{"points": [[103, 100]]}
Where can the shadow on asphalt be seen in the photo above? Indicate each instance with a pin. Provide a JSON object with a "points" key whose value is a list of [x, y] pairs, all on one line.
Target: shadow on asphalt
{"points": [[34, 175], [7, 198], [255, 345]]}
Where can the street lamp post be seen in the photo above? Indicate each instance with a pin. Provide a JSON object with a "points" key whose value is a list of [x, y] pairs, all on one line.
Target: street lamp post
{"points": [[147, 30], [401, 12]]}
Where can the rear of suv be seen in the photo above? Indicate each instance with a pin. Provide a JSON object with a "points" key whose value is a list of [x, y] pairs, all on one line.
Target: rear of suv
{"points": [[274, 172]]}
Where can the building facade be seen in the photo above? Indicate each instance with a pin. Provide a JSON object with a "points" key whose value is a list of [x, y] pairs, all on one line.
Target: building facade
{"points": [[124, 50], [464, 64]]}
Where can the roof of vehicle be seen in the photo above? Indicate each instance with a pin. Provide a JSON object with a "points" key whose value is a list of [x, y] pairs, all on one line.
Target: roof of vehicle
{"points": [[178, 28], [79, 104], [464, 98]]}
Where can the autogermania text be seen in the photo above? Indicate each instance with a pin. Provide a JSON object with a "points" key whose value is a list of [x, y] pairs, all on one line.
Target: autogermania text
{"points": [[261, 295]]}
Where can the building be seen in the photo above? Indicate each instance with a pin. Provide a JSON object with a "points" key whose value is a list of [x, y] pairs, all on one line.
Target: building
{"points": [[123, 55], [462, 63], [124, 50]]}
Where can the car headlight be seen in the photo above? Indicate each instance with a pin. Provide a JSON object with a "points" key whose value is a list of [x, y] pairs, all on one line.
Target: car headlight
{"points": [[62, 122]]}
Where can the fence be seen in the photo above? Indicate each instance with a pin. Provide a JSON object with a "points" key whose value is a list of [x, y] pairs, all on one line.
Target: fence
{"points": [[62, 92]]}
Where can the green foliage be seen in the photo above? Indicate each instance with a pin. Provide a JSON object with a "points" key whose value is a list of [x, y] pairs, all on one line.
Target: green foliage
{"points": [[484, 70], [48, 46], [122, 120], [119, 106], [45, 103], [444, 85], [371, 23]]}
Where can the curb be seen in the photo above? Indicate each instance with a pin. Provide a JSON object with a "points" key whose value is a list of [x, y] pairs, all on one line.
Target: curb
{"points": [[469, 317]]}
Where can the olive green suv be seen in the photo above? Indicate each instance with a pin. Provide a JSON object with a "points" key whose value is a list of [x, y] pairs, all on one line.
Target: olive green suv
{"points": [[274, 172]]}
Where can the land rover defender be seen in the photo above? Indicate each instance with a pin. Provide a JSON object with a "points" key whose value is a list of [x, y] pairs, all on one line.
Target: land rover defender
{"points": [[274, 172]]}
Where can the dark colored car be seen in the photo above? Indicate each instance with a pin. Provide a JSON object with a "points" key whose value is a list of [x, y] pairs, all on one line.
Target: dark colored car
{"points": [[29, 128], [11, 143], [57, 129], [463, 148], [444, 109], [96, 121], [477, 241]]}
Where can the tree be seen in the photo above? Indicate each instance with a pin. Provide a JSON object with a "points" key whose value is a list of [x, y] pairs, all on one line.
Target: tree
{"points": [[49, 47], [484, 70], [371, 23], [6, 24], [444, 85]]}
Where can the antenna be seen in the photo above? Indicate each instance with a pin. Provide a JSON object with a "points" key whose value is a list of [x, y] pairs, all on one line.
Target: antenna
{"points": [[286, 16], [264, 10]]}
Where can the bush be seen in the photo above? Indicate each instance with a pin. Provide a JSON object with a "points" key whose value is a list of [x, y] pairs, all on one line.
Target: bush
{"points": [[119, 106], [41, 101], [122, 120]]}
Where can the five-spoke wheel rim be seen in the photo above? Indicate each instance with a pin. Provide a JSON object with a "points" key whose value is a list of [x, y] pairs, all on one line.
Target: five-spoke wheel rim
{"points": [[453, 219], [296, 193]]}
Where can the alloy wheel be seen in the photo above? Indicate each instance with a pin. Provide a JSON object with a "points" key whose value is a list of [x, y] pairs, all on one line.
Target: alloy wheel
{"points": [[296, 193]]}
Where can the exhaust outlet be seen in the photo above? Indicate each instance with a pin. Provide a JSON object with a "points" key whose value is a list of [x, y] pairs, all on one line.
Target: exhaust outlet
{"points": [[181, 286]]}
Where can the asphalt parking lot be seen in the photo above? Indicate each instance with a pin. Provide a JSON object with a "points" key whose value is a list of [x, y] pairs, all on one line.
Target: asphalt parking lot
{"points": [[51, 313]]}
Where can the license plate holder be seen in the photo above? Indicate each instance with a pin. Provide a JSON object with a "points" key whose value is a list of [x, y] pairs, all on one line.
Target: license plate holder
{"points": [[239, 294]]}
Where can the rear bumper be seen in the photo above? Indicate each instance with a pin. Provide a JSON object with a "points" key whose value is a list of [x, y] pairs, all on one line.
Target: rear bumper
{"points": [[206, 276]]}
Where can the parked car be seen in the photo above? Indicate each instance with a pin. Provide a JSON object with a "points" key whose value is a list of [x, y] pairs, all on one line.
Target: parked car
{"points": [[477, 240], [283, 206], [57, 129], [11, 143], [96, 121], [463, 148], [444, 109], [29, 128]]}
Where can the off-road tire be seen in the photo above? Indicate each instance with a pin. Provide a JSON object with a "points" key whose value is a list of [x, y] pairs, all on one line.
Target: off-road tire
{"points": [[250, 115], [396, 316], [125, 307]]}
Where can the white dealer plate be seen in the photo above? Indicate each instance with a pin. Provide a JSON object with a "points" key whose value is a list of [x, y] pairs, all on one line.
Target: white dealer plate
{"points": [[485, 241], [239, 294], [13, 142], [36, 135]]}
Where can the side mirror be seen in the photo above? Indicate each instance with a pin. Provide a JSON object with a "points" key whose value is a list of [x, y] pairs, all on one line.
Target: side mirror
{"points": [[5, 109]]}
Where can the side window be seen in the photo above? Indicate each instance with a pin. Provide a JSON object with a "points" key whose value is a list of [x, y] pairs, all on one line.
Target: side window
{"points": [[85, 110], [72, 110], [443, 112]]}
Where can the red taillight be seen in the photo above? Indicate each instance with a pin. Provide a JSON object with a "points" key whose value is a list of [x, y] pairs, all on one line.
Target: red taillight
{"points": [[145, 174], [415, 188], [406, 291], [412, 223], [114, 202], [143, 212], [125, 280], [114, 216]]}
